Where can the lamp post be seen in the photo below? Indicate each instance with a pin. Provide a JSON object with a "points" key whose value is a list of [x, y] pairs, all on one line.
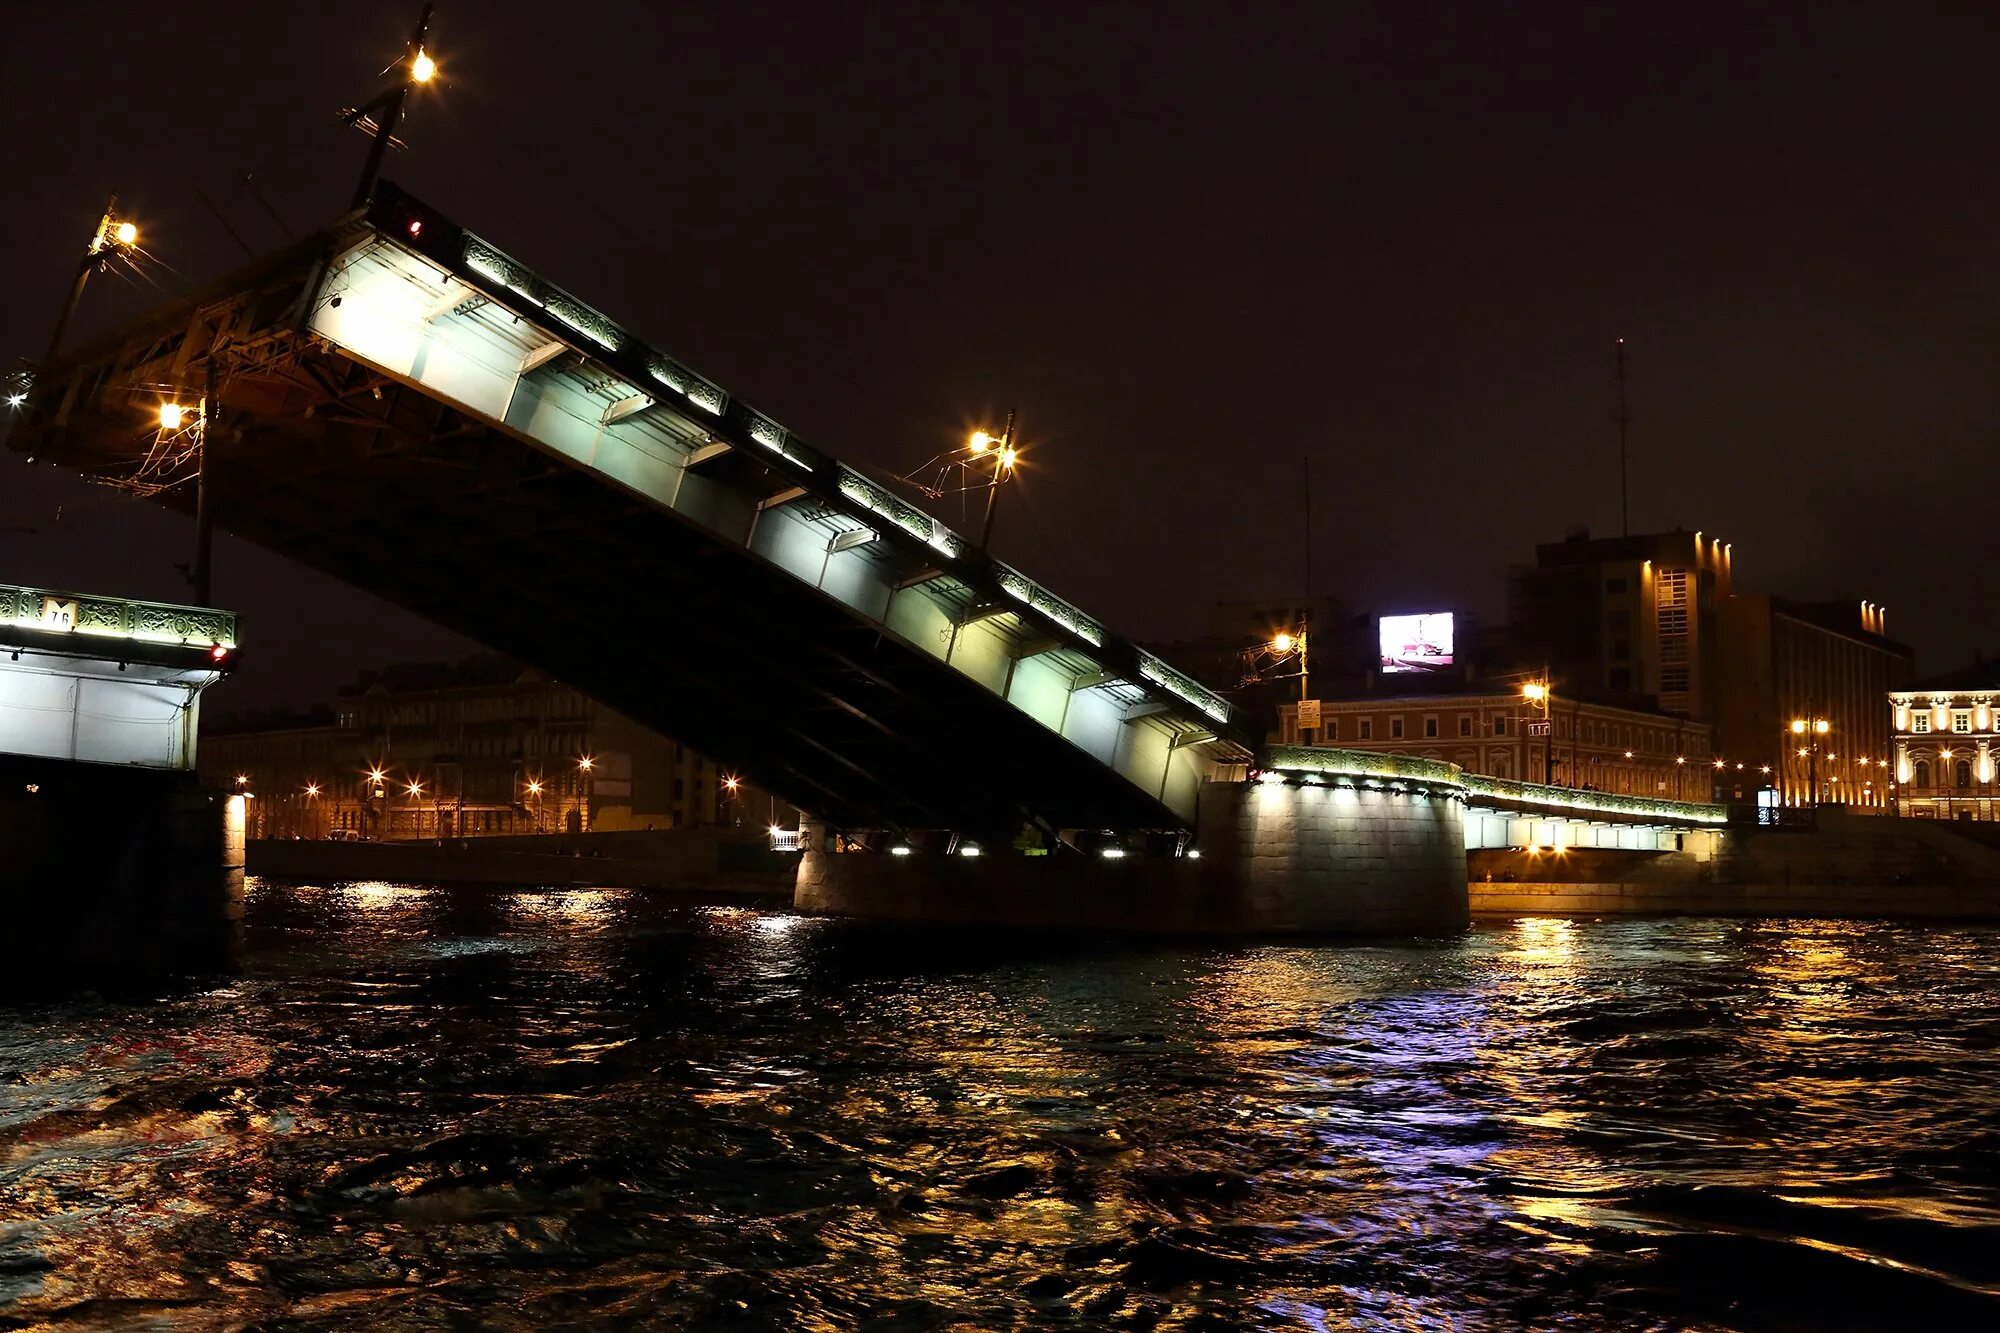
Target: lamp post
{"points": [[535, 791], [1815, 728], [1946, 779], [1284, 644], [417, 67], [730, 786], [1002, 451], [115, 237], [586, 767], [1539, 694]]}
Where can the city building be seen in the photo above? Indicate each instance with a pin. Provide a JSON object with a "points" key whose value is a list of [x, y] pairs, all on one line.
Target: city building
{"points": [[1801, 692], [1492, 728], [476, 748], [1634, 617], [1655, 621], [1947, 739]]}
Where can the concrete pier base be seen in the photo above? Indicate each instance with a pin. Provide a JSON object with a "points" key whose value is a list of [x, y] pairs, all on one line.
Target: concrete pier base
{"points": [[115, 874], [1274, 858]]}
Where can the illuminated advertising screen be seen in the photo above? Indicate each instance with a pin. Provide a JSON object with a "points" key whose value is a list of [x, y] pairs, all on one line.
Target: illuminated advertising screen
{"points": [[1416, 643]]}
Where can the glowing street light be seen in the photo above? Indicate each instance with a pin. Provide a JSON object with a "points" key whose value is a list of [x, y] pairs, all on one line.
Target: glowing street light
{"points": [[385, 110], [115, 238], [415, 789], [1003, 452], [1282, 643], [171, 415], [312, 790], [586, 763]]}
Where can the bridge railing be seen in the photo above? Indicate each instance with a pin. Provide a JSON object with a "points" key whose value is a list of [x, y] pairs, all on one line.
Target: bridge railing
{"points": [[117, 617], [1372, 766]]}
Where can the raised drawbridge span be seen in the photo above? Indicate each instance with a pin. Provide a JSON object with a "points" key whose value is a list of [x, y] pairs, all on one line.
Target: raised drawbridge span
{"points": [[405, 406]]}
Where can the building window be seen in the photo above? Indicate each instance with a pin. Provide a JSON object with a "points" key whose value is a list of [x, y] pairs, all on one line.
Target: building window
{"points": [[1961, 720], [1618, 622], [1621, 650], [1961, 774], [1500, 725], [1921, 776], [1920, 723], [1430, 728], [1332, 729], [1614, 585], [1367, 729], [1396, 728], [1621, 678], [1465, 724]]}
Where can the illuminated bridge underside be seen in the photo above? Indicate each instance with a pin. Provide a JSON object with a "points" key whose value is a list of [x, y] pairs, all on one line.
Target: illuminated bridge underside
{"points": [[428, 420]]}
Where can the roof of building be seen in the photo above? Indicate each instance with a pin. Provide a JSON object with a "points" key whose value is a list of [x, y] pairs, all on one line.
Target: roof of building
{"points": [[1981, 675], [476, 671]]}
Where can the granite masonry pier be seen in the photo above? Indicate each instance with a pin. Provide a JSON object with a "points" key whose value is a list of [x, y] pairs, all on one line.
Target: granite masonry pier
{"points": [[1265, 858]]}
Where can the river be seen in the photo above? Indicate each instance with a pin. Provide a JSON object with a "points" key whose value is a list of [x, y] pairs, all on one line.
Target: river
{"points": [[428, 1108]]}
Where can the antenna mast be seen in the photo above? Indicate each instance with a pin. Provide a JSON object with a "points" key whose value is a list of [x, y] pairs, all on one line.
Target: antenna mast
{"points": [[1624, 483]]}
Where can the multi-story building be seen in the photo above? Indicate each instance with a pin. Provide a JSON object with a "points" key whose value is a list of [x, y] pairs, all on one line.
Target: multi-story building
{"points": [[1788, 668], [1655, 620], [1631, 617], [471, 749], [1947, 739], [1489, 728]]}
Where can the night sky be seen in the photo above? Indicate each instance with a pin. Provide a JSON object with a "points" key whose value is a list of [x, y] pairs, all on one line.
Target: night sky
{"points": [[1196, 244]]}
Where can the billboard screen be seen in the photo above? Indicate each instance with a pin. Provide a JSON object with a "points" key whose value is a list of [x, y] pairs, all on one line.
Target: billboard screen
{"points": [[1416, 643]]}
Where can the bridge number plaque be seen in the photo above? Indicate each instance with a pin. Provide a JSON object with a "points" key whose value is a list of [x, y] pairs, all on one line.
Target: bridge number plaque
{"points": [[1538, 728], [58, 614]]}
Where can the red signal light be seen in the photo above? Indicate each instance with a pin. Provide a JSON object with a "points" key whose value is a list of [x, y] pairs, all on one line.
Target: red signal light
{"points": [[218, 652], [416, 226]]}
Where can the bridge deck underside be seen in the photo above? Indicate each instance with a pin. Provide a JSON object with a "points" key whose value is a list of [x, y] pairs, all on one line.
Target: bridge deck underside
{"points": [[399, 494]]}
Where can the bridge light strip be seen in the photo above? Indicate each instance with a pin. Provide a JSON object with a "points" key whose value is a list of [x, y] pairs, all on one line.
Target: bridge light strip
{"points": [[1378, 771]]}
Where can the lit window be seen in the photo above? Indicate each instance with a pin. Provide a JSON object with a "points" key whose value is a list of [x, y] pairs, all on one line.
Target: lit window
{"points": [[1396, 728], [1465, 724], [1367, 729], [1430, 728], [1961, 720], [1920, 723]]}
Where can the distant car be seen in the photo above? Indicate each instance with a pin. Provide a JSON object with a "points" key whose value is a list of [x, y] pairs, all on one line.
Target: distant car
{"points": [[1422, 650], [342, 835]]}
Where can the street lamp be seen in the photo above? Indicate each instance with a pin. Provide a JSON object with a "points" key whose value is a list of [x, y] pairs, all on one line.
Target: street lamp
{"points": [[1002, 451], [115, 238], [534, 789], [1281, 645], [730, 785], [585, 767], [1814, 727], [1541, 695], [1945, 780], [385, 111]]}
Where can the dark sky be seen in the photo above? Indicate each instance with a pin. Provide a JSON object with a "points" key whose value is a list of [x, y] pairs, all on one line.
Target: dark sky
{"points": [[1198, 244]]}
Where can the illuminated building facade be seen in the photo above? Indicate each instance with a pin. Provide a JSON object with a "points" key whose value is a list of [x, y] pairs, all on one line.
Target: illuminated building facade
{"points": [[477, 748], [1947, 739], [1592, 745], [1801, 694]]}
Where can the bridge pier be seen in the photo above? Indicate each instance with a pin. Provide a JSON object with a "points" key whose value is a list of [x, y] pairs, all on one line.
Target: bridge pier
{"points": [[1267, 857]]}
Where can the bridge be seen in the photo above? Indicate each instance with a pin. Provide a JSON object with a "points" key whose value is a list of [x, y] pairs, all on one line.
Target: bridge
{"points": [[399, 403], [405, 406]]}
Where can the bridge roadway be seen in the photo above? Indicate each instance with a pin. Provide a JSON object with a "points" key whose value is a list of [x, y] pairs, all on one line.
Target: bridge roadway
{"points": [[405, 406]]}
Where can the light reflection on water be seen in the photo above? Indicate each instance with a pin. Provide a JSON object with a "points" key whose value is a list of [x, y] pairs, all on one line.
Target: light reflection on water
{"points": [[532, 1110]]}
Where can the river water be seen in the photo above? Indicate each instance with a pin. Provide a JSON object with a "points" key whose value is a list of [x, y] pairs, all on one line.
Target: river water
{"points": [[422, 1108]]}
